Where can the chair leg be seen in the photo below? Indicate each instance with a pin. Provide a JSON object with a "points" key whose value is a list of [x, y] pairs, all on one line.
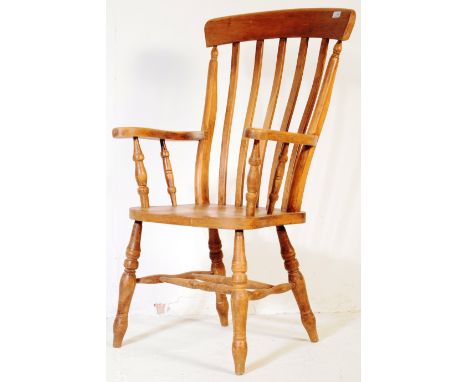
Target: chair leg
{"points": [[299, 288], [217, 267], [239, 303], [127, 284]]}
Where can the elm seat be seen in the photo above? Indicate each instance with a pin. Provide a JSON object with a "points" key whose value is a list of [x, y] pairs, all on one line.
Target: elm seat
{"points": [[215, 216]]}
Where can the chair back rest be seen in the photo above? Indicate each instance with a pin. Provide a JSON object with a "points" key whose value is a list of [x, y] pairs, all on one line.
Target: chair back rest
{"points": [[326, 24]]}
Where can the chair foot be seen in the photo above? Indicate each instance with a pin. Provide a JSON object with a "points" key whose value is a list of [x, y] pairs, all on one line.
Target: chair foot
{"points": [[308, 320], [299, 287], [127, 285], [120, 327], [239, 303], [217, 267], [222, 307]]}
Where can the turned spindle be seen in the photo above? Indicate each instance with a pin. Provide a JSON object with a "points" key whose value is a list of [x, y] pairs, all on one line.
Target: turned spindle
{"points": [[168, 172], [253, 179], [140, 173], [278, 178], [217, 268]]}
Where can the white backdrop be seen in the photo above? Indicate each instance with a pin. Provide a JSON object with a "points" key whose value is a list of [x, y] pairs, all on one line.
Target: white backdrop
{"points": [[157, 65]]}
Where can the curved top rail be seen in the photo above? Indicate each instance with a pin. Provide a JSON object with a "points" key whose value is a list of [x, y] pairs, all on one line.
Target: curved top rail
{"points": [[331, 23]]}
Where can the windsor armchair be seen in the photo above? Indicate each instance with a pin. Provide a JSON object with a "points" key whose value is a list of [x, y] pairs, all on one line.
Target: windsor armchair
{"points": [[325, 24]]}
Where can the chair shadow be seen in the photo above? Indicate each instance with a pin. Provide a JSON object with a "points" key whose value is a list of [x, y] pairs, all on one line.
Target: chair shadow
{"points": [[269, 358], [330, 328], [203, 365], [326, 330], [159, 329]]}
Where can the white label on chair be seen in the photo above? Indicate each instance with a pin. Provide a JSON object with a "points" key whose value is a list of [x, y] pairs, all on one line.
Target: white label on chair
{"points": [[336, 14]]}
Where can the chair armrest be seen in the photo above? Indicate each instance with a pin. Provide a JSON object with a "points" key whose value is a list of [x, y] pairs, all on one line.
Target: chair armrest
{"points": [[147, 133], [281, 136]]}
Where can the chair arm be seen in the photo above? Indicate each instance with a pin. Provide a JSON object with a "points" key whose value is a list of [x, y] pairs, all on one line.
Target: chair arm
{"points": [[147, 133], [281, 136]]}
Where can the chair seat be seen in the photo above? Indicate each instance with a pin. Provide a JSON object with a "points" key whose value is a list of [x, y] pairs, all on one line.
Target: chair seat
{"points": [[215, 216]]}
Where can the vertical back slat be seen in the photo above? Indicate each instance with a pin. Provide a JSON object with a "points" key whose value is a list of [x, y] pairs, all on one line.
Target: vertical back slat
{"points": [[275, 88], [296, 85], [248, 122], [306, 116], [227, 124], [202, 195], [315, 128], [276, 84]]}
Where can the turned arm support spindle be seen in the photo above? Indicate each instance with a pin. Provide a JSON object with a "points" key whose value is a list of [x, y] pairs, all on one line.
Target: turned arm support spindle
{"points": [[253, 179], [140, 173], [278, 178], [168, 172]]}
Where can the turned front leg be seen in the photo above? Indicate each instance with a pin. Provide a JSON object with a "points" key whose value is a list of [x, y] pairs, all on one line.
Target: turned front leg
{"points": [[239, 303], [298, 284], [217, 268], [127, 284]]}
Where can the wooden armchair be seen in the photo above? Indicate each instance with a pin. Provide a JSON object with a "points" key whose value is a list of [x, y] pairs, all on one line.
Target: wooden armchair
{"points": [[326, 24]]}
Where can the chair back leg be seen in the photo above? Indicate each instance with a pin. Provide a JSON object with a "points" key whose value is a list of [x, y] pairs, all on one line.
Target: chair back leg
{"points": [[217, 268], [298, 284]]}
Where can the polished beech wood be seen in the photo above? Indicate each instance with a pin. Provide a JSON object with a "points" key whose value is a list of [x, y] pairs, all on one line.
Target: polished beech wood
{"points": [[296, 84], [275, 88], [261, 293], [156, 279], [207, 276], [305, 157], [251, 284], [221, 285], [195, 284], [253, 180], [213, 216], [140, 173], [127, 284], [304, 24], [248, 122], [217, 268], [298, 284], [202, 193], [334, 23], [227, 124], [239, 303], [168, 172], [277, 178], [290, 106], [281, 136], [147, 133], [306, 117]]}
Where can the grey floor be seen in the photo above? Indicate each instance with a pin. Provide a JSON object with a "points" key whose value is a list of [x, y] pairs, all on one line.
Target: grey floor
{"points": [[197, 348]]}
